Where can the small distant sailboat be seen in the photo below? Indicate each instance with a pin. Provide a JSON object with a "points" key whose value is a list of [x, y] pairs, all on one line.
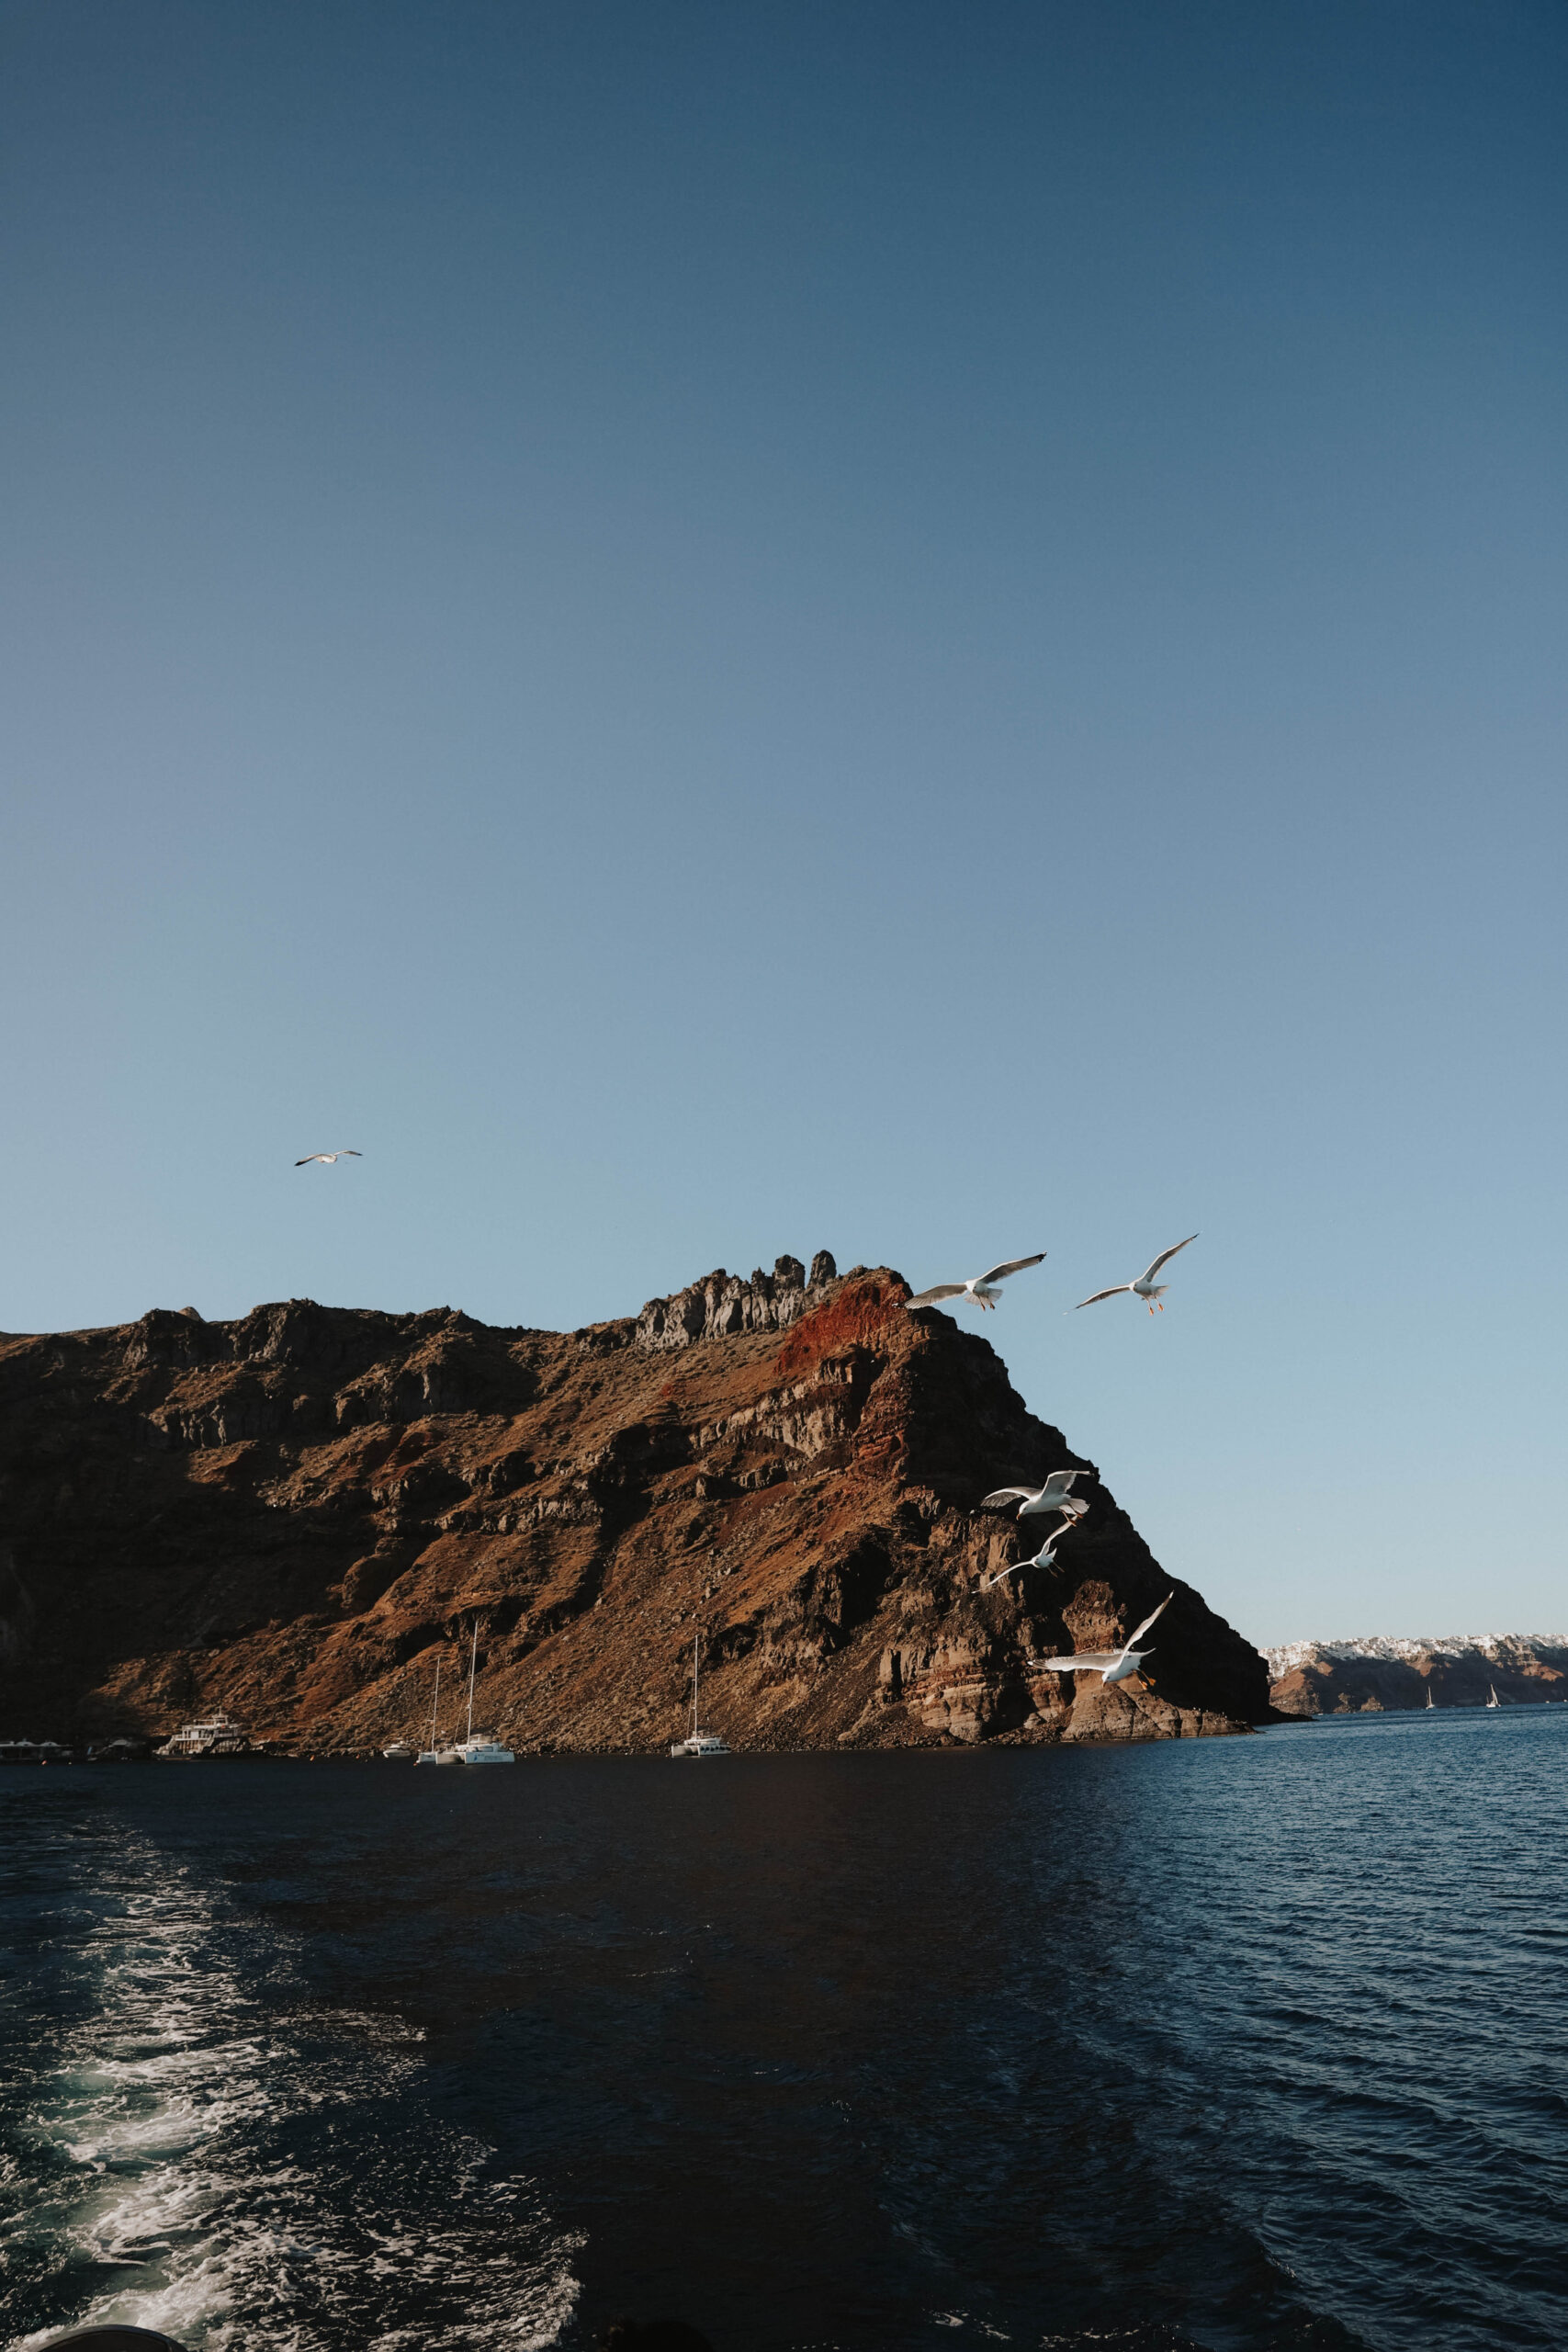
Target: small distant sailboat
{"points": [[434, 1755], [479, 1747], [1430, 1708], [1494, 1701], [700, 1743]]}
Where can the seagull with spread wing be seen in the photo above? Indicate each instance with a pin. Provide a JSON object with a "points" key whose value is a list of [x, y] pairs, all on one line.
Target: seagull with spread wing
{"points": [[982, 1290], [1045, 1557], [328, 1158], [1114, 1666], [1146, 1286], [1033, 1501]]}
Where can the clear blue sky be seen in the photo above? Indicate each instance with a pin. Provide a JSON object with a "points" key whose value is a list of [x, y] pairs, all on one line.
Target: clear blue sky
{"points": [[935, 630]]}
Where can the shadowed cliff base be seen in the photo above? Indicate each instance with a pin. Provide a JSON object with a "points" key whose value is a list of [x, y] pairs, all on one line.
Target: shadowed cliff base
{"points": [[294, 1515]]}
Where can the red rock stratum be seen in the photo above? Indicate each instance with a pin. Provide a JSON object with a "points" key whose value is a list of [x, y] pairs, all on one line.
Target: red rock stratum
{"points": [[296, 1514]]}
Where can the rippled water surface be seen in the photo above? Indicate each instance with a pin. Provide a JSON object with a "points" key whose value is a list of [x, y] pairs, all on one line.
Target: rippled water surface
{"points": [[1242, 2043]]}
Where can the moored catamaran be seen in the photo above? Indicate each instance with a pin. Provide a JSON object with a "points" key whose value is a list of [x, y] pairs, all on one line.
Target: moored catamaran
{"points": [[474, 1747], [698, 1743], [479, 1747]]}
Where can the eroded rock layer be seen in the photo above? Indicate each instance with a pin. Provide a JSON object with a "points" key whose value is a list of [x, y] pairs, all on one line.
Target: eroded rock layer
{"points": [[295, 1516]]}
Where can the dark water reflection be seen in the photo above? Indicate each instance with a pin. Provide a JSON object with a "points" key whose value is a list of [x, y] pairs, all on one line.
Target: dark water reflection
{"points": [[1249, 2044]]}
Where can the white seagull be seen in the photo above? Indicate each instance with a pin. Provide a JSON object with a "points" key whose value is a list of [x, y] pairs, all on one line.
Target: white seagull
{"points": [[329, 1159], [1146, 1286], [981, 1291], [1116, 1665], [1033, 1501], [1045, 1557]]}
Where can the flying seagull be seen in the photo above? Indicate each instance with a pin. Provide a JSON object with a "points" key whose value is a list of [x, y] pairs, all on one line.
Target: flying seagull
{"points": [[1033, 1501], [1043, 1559], [1114, 1666], [1146, 1286], [981, 1291], [329, 1159]]}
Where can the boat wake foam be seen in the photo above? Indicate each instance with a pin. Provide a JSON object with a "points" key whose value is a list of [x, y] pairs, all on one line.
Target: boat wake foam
{"points": [[192, 2157]]}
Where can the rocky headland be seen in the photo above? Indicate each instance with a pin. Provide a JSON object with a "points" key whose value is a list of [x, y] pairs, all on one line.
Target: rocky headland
{"points": [[296, 1514], [1379, 1674]]}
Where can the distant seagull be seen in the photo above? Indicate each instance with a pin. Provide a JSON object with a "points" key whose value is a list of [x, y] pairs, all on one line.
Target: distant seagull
{"points": [[1146, 1286], [1042, 1559], [328, 1158], [1034, 1501], [1114, 1666], [982, 1292]]}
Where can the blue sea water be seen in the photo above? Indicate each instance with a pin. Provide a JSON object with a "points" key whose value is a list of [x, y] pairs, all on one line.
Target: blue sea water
{"points": [[1242, 2043]]}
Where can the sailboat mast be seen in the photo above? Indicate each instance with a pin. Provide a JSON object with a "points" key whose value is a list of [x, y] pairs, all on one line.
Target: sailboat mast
{"points": [[473, 1660], [695, 1639], [434, 1702]]}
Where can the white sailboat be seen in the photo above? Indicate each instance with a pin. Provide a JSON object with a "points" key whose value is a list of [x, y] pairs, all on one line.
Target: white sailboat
{"points": [[1430, 1709], [434, 1755], [479, 1747], [701, 1743], [1494, 1701]]}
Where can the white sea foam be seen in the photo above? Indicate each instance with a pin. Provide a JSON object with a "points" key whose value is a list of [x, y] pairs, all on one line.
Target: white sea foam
{"points": [[226, 2169]]}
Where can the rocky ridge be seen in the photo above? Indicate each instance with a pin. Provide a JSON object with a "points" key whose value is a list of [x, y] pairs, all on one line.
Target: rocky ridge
{"points": [[296, 1514]]}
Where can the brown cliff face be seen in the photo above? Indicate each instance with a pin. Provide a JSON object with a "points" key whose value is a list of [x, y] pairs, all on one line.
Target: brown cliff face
{"points": [[296, 1515]]}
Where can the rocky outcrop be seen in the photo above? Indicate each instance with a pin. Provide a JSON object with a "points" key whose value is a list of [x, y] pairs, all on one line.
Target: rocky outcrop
{"points": [[296, 1515], [721, 1305], [1380, 1674]]}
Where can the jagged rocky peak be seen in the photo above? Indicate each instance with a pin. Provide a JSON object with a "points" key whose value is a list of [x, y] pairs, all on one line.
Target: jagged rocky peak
{"points": [[721, 1305]]}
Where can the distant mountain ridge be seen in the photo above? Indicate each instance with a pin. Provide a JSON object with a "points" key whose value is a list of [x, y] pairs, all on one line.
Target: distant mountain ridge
{"points": [[1503, 1647], [1382, 1671]]}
